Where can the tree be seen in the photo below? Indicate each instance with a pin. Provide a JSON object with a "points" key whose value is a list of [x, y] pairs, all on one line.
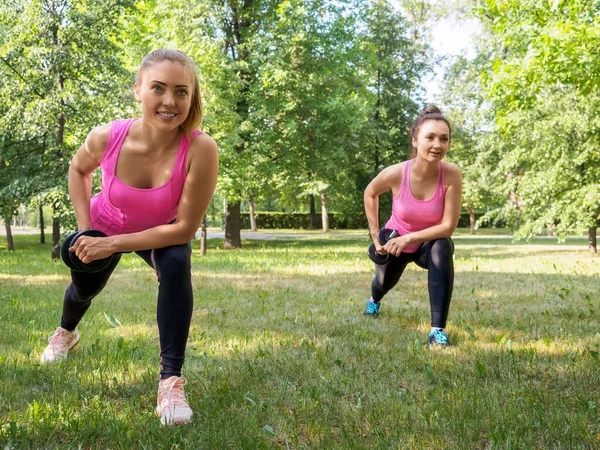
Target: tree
{"points": [[311, 97], [9, 204], [340, 97], [395, 59], [474, 148], [543, 82], [64, 71]]}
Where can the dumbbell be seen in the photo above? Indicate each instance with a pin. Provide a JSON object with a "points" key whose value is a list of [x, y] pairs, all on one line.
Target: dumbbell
{"points": [[71, 259], [384, 236]]}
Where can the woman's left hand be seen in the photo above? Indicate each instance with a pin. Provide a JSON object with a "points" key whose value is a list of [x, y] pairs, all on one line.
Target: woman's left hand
{"points": [[90, 249], [396, 245]]}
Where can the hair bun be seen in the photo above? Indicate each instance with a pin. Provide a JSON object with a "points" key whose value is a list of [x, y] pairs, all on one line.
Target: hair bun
{"points": [[430, 109]]}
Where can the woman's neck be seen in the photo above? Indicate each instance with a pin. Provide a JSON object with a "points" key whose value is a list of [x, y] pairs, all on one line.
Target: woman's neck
{"points": [[155, 139], [424, 168]]}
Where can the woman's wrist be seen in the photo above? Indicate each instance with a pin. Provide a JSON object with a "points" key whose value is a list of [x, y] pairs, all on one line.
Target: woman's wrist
{"points": [[409, 238], [374, 234], [84, 226], [112, 242]]}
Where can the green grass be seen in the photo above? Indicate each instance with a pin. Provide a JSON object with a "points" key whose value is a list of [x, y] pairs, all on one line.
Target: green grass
{"points": [[280, 355]]}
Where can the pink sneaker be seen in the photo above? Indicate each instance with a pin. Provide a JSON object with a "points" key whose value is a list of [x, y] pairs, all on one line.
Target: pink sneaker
{"points": [[172, 407], [59, 345]]}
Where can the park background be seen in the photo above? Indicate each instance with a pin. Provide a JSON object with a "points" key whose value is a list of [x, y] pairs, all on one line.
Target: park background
{"points": [[308, 101]]}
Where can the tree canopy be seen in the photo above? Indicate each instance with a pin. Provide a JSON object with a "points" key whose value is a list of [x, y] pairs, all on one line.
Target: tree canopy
{"points": [[309, 99]]}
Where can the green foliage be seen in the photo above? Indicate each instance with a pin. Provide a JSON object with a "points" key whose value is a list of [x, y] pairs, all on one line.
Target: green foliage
{"points": [[394, 63], [61, 63], [541, 79], [304, 97], [311, 110], [474, 147], [63, 77], [542, 42], [9, 202]]}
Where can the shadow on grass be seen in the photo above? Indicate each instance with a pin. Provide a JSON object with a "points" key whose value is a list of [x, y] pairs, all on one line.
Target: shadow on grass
{"points": [[278, 360], [324, 380]]}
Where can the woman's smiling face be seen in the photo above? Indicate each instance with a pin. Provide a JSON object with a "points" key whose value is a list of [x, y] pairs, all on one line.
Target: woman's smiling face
{"points": [[433, 140], [165, 91]]}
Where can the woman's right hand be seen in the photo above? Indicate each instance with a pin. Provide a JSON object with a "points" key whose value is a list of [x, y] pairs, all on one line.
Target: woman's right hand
{"points": [[88, 248], [379, 248], [396, 245]]}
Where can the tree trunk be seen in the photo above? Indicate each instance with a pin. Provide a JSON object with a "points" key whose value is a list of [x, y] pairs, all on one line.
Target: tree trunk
{"points": [[60, 130], [550, 230], [233, 238], [9, 237], [377, 114], [512, 194], [471, 219], [203, 237], [252, 218], [55, 237], [592, 240], [42, 226], [324, 216], [312, 212]]}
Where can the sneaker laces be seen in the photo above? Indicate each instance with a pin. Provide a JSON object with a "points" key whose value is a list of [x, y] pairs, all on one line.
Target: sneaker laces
{"points": [[60, 338], [439, 337], [372, 307], [172, 392]]}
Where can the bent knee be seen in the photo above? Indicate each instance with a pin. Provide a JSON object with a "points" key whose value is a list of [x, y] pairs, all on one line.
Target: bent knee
{"points": [[173, 259], [442, 249]]}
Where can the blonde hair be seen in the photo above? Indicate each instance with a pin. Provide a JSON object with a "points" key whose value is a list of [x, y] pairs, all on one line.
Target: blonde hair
{"points": [[194, 117]]}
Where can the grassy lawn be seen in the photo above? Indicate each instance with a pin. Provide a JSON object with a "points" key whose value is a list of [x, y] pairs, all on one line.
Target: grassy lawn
{"points": [[280, 355]]}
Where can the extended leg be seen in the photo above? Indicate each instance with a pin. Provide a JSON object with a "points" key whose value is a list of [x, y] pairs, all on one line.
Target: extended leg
{"points": [[82, 290], [175, 305]]}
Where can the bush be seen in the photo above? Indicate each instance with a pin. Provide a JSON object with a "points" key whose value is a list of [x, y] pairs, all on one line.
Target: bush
{"points": [[339, 221], [301, 221]]}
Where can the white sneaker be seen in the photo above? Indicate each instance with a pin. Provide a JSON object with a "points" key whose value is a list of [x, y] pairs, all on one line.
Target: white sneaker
{"points": [[59, 345], [172, 407]]}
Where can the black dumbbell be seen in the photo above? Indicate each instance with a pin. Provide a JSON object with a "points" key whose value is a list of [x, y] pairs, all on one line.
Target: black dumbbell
{"points": [[71, 259], [385, 234]]}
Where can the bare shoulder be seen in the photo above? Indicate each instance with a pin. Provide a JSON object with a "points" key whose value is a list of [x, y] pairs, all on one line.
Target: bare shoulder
{"points": [[389, 178], [452, 173], [203, 150], [95, 143], [393, 172], [203, 144]]}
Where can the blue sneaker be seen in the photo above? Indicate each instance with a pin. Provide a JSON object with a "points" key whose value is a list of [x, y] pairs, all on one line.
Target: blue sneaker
{"points": [[372, 308], [438, 337]]}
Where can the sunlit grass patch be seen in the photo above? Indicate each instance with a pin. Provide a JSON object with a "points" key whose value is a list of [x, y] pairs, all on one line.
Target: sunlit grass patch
{"points": [[30, 280], [280, 355]]}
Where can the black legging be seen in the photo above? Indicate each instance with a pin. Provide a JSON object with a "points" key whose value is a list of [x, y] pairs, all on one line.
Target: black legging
{"points": [[436, 257], [175, 300]]}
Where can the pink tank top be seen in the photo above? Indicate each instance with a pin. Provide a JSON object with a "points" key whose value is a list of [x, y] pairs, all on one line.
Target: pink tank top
{"points": [[410, 215], [120, 208]]}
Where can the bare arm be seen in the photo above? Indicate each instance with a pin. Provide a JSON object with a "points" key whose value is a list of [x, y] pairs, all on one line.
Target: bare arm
{"points": [[198, 189], [385, 181], [86, 160], [449, 221]]}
